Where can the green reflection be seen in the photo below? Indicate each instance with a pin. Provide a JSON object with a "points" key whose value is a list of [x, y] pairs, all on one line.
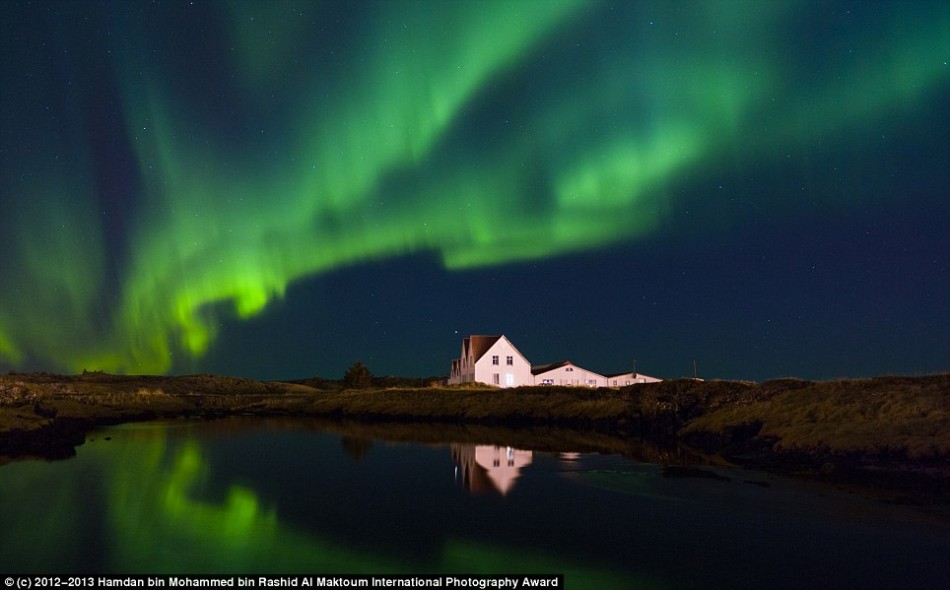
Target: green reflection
{"points": [[164, 523], [163, 520], [47, 517]]}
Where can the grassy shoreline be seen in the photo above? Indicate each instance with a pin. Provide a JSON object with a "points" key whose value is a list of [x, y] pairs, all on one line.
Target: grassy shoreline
{"points": [[893, 426]]}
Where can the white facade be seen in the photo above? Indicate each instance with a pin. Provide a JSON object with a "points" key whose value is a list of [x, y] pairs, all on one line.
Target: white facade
{"points": [[567, 373], [630, 379], [493, 360]]}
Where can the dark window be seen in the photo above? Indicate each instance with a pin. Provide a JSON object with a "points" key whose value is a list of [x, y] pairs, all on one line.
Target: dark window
{"points": [[510, 360], [494, 359]]}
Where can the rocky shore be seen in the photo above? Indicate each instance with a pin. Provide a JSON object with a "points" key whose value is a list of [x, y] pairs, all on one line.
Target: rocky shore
{"points": [[892, 431]]}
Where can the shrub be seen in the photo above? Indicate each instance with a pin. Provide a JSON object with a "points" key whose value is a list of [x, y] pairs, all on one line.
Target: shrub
{"points": [[358, 377]]}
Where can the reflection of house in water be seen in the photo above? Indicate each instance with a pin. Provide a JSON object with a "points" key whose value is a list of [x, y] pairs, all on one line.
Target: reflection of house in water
{"points": [[487, 468]]}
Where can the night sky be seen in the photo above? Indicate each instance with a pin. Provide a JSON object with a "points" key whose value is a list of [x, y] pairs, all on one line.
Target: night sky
{"points": [[279, 189]]}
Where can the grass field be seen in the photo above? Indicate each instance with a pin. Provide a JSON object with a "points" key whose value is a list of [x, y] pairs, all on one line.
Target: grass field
{"points": [[885, 418]]}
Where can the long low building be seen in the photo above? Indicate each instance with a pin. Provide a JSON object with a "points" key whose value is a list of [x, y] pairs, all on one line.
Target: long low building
{"points": [[494, 360]]}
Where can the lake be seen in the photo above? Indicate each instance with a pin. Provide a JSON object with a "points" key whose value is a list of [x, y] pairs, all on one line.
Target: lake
{"points": [[252, 495]]}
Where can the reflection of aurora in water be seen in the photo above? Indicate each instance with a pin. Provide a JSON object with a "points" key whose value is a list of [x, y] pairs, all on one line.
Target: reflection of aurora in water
{"points": [[164, 177], [161, 514], [235, 496]]}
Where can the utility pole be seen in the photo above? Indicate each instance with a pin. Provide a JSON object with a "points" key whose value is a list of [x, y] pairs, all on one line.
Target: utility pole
{"points": [[634, 368], [694, 368]]}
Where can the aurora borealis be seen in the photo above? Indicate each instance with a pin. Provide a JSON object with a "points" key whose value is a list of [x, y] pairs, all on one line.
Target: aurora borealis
{"points": [[277, 189]]}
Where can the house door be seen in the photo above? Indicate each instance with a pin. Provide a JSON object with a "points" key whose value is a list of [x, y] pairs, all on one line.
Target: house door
{"points": [[509, 379]]}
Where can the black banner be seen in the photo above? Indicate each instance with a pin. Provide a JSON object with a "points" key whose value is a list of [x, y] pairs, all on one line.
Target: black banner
{"points": [[476, 581]]}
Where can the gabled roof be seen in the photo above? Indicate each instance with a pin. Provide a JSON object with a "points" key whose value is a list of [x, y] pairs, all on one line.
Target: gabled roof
{"points": [[631, 374], [478, 345], [538, 369]]}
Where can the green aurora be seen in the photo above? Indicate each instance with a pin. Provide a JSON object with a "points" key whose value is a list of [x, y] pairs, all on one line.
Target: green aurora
{"points": [[198, 161]]}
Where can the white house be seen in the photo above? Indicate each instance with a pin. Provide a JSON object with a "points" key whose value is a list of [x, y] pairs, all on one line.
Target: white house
{"points": [[493, 360], [621, 379], [566, 373]]}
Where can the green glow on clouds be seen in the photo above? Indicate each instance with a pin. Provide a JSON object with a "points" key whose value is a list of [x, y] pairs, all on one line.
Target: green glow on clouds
{"points": [[473, 130]]}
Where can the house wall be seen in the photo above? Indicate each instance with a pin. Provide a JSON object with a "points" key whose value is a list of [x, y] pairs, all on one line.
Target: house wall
{"points": [[571, 374], [455, 376], [514, 375], [630, 379], [467, 369], [463, 368]]}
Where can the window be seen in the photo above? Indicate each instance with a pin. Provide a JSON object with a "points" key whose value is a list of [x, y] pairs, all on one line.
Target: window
{"points": [[509, 379], [509, 360], [494, 359], [569, 369], [496, 378]]}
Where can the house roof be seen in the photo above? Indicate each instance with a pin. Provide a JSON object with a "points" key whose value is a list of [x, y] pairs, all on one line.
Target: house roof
{"points": [[479, 345], [631, 374], [538, 369]]}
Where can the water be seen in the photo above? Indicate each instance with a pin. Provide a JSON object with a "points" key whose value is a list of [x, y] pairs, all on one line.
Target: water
{"points": [[254, 496]]}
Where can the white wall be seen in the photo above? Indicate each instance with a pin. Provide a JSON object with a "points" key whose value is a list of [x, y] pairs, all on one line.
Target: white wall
{"points": [[514, 375], [519, 372], [571, 374], [630, 379]]}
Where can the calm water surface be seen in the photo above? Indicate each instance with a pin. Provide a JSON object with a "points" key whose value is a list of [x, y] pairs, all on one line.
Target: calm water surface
{"points": [[254, 496]]}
